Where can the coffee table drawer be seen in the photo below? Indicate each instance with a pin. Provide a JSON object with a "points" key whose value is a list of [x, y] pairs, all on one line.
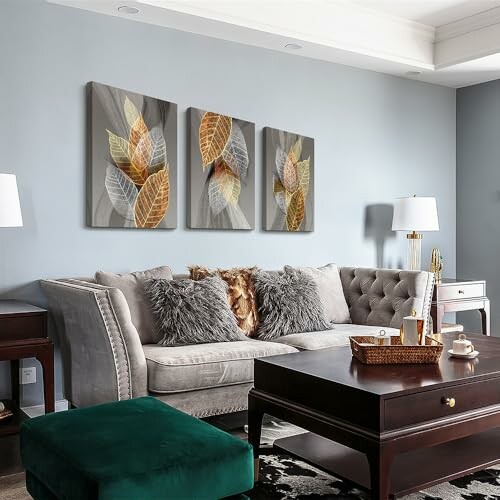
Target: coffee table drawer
{"points": [[429, 405], [461, 291]]}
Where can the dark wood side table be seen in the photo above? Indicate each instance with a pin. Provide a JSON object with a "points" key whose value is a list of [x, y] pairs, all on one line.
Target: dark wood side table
{"points": [[23, 334], [453, 295]]}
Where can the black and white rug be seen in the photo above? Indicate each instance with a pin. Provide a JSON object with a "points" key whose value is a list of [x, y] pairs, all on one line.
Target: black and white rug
{"points": [[285, 478]]}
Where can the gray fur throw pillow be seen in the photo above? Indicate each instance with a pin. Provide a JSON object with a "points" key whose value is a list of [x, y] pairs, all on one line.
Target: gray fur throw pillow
{"points": [[288, 303], [192, 312]]}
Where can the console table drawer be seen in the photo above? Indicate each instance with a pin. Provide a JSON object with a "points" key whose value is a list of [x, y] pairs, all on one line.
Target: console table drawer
{"points": [[23, 327], [429, 405], [461, 291]]}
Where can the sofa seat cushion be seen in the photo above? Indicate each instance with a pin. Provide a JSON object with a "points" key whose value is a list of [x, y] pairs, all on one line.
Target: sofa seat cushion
{"points": [[130, 450], [339, 336], [200, 366]]}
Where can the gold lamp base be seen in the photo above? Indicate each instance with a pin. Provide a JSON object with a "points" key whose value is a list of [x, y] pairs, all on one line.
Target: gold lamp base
{"points": [[414, 250], [414, 236]]}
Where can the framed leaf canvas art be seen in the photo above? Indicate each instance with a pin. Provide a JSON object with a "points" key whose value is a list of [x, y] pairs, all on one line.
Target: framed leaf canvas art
{"points": [[132, 175], [221, 172], [289, 182]]}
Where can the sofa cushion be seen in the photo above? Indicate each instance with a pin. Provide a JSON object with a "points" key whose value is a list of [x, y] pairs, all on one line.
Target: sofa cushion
{"points": [[200, 366], [240, 293], [132, 286], [288, 303], [339, 336], [193, 312], [331, 294]]}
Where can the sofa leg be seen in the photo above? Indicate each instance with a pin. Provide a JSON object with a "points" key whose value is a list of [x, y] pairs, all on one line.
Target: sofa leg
{"points": [[256, 464]]}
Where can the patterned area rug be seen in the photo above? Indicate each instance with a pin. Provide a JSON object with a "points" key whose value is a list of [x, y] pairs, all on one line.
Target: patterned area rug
{"points": [[285, 478]]}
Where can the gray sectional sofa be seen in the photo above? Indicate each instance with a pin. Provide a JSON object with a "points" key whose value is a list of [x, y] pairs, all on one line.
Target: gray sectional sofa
{"points": [[105, 359]]}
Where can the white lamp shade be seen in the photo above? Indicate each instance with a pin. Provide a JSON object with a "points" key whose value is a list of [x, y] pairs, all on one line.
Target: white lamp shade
{"points": [[10, 209], [418, 213]]}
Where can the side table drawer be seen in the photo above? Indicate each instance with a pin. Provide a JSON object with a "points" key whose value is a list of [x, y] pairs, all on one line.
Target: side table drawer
{"points": [[460, 291], [23, 327], [429, 405]]}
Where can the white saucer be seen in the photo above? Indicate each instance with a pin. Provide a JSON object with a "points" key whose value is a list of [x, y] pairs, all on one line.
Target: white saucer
{"points": [[470, 355]]}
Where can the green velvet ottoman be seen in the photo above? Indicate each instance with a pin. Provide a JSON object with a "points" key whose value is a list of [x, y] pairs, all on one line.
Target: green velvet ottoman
{"points": [[136, 449]]}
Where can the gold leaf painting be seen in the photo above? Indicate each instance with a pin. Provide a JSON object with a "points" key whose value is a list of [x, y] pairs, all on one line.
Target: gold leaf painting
{"points": [[221, 171], [152, 200], [133, 160], [289, 162], [214, 134], [295, 211]]}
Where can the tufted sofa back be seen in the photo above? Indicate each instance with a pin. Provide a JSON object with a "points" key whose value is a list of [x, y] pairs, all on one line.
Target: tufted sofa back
{"points": [[382, 297]]}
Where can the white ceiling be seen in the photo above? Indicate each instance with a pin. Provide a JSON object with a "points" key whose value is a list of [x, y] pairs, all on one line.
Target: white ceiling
{"points": [[448, 42], [431, 12]]}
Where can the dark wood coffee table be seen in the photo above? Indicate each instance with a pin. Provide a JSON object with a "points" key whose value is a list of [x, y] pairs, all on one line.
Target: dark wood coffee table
{"points": [[394, 429]]}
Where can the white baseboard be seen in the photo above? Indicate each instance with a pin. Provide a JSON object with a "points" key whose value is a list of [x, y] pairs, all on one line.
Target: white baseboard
{"points": [[36, 411]]}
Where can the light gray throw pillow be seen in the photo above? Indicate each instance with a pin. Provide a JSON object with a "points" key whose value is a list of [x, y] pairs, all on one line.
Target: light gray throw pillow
{"points": [[331, 293], [193, 312], [132, 286], [288, 303]]}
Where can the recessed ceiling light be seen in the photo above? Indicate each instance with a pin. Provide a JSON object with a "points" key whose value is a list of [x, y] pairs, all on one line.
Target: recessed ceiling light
{"points": [[413, 73], [293, 46], [125, 9]]}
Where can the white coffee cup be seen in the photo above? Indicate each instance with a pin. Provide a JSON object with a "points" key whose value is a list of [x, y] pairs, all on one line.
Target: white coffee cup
{"points": [[462, 345]]}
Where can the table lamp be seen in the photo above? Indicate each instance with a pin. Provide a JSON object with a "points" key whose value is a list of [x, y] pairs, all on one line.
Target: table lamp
{"points": [[10, 209], [416, 213]]}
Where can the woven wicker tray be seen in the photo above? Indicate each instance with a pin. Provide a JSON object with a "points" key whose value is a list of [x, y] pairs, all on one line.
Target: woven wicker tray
{"points": [[395, 354], [5, 414]]}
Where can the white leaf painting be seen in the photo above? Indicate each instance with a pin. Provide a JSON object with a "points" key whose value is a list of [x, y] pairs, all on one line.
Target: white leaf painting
{"points": [[216, 198], [235, 153], [158, 151], [280, 161], [280, 195], [122, 192]]}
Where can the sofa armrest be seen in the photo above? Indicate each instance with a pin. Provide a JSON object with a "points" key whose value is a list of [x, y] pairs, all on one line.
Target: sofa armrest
{"points": [[102, 354], [383, 297]]}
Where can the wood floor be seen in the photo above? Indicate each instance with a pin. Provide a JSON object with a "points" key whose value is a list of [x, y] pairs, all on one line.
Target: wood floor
{"points": [[13, 488]]}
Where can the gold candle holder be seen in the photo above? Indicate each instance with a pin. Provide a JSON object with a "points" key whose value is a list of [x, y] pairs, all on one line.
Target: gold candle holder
{"points": [[436, 265]]}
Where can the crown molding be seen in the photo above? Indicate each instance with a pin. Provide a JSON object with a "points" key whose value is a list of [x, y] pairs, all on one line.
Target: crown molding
{"points": [[468, 46], [469, 24], [337, 25], [338, 11], [341, 32]]}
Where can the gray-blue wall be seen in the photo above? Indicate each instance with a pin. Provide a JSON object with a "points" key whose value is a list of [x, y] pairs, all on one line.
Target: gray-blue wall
{"points": [[478, 192], [377, 137]]}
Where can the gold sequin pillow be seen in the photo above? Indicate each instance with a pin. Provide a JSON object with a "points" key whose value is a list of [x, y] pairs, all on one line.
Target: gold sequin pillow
{"points": [[241, 293]]}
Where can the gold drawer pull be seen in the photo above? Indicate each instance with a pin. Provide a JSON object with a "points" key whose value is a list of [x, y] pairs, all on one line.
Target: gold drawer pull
{"points": [[449, 402]]}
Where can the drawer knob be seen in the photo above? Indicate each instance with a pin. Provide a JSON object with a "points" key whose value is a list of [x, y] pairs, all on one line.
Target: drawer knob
{"points": [[461, 291], [449, 402]]}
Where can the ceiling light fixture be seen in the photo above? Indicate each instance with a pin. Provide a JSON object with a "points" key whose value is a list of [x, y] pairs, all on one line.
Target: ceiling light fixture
{"points": [[125, 9], [293, 46]]}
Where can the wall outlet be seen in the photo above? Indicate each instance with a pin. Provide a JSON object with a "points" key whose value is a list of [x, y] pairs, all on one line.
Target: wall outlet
{"points": [[28, 375]]}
